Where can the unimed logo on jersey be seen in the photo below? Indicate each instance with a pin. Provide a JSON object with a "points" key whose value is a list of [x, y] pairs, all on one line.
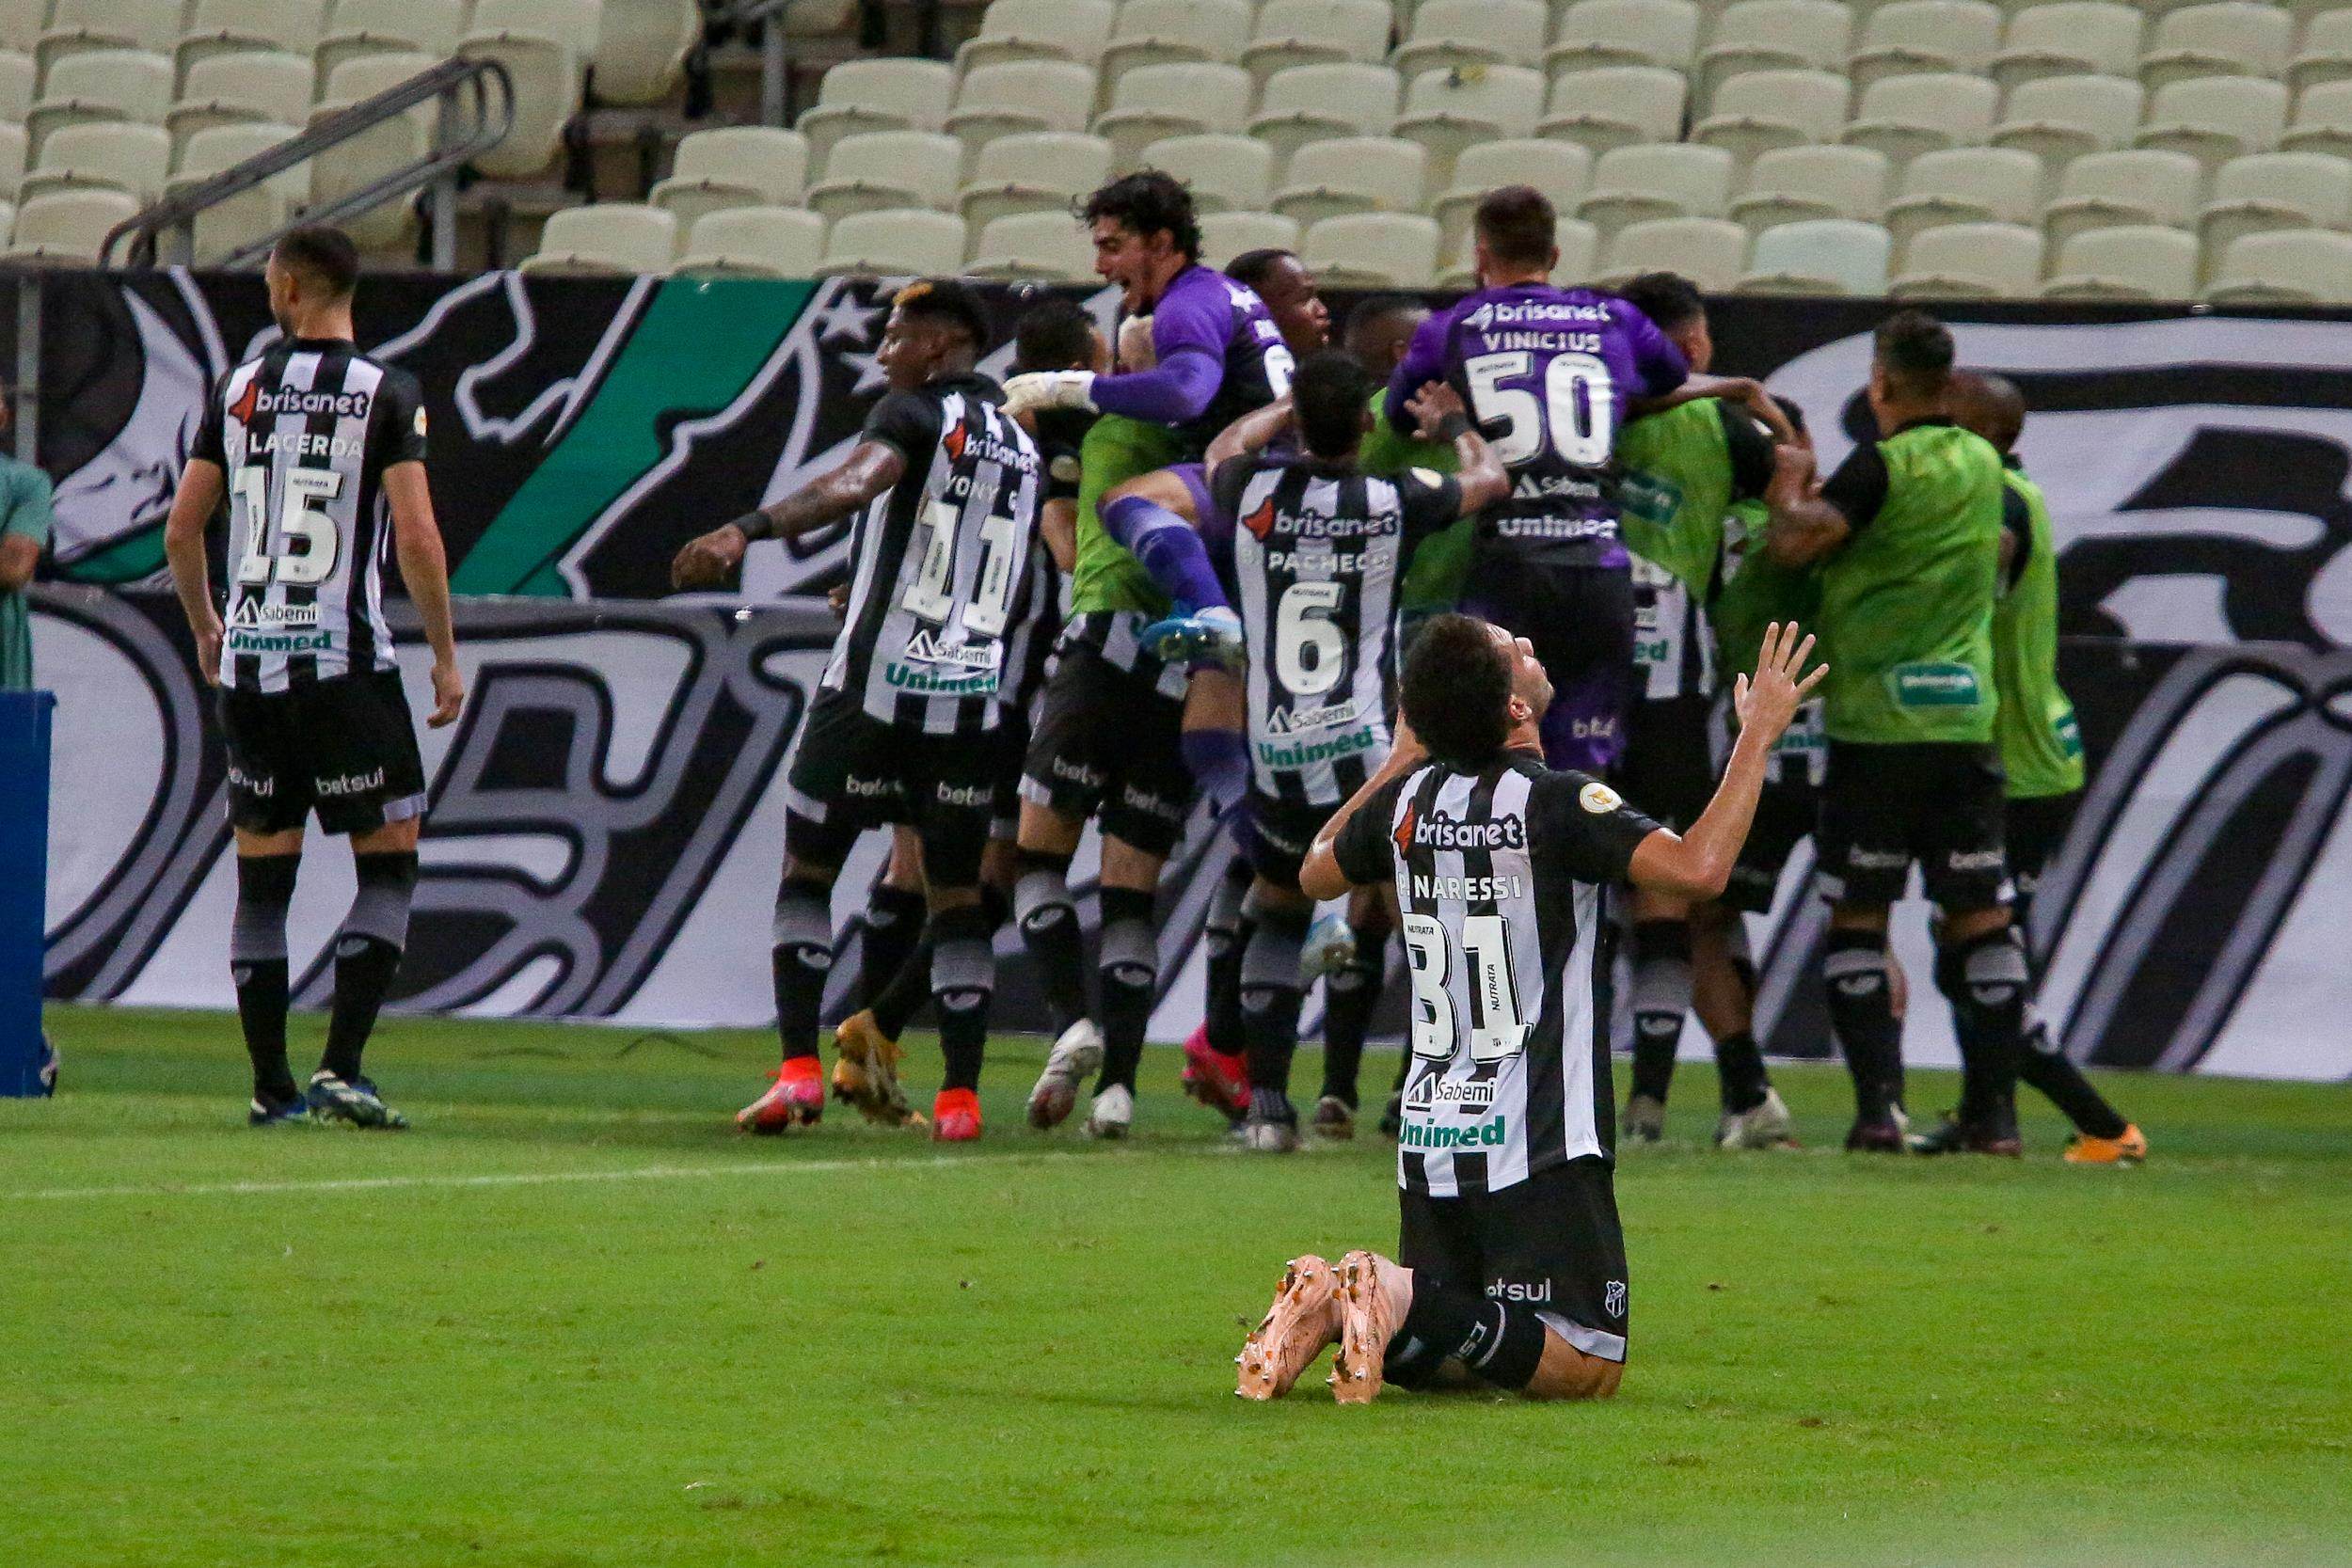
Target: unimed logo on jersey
{"points": [[1437, 832], [254, 404]]}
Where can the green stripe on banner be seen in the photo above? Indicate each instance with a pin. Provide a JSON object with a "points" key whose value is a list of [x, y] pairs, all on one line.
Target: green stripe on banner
{"points": [[697, 347], [127, 559]]}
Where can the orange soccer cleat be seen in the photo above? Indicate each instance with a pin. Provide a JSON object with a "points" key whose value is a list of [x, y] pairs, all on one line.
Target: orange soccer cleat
{"points": [[954, 1117], [1374, 1295], [2129, 1149], [1217, 1080], [796, 1099], [1305, 1317]]}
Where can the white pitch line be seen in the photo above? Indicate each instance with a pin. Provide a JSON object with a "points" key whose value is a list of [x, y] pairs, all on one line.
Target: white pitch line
{"points": [[534, 1178]]}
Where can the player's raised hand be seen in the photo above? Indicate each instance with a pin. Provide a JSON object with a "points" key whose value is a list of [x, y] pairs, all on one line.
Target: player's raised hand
{"points": [[1431, 405], [710, 560], [1767, 703], [449, 693]]}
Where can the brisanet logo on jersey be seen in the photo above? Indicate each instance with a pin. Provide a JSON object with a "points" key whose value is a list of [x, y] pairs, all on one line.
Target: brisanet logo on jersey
{"points": [[1434, 831]]}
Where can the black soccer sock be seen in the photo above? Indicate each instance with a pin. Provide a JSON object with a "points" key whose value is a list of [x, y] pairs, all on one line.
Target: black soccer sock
{"points": [[2043, 1064], [367, 955], [1984, 979], [900, 1002], [1130, 982], [1661, 994], [1227, 933], [1049, 932], [1862, 1015], [1739, 1072], [1270, 1003], [893, 924], [1350, 998], [964, 979], [257, 962], [1447, 1323], [800, 959]]}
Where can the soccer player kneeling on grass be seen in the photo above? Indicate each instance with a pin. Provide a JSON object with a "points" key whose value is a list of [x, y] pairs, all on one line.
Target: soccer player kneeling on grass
{"points": [[1510, 1267]]}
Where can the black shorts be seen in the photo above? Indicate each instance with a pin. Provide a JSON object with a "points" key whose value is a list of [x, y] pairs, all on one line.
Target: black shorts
{"points": [[1109, 744], [345, 748], [1668, 770], [1580, 621], [1936, 802], [851, 771], [1552, 1243], [1786, 813], [1277, 834], [1011, 744]]}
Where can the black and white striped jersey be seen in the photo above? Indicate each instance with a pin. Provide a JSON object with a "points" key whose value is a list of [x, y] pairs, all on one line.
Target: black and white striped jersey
{"points": [[943, 562], [303, 434], [1316, 550], [1035, 627], [1501, 876], [1673, 643]]}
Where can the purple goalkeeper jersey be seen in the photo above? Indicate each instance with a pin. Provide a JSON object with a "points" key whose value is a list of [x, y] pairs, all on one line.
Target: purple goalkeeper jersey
{"points": [[1219, 355], [1548, 373]]}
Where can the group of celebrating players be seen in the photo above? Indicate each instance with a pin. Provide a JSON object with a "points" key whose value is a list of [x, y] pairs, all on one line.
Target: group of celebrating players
{"points": [[1410, 613]]}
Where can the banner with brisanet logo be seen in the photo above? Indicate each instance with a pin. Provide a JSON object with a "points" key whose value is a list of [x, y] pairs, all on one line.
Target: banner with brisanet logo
{"points": [[607, 819]]}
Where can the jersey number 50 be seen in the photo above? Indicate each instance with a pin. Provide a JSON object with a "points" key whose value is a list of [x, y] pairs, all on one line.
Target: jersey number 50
{"points": [[1497, 1032], [1579, 407], [299, 519]]}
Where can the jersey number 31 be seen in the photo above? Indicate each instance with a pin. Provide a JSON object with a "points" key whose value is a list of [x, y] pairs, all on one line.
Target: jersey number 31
{"points": [[1496, 1030]]}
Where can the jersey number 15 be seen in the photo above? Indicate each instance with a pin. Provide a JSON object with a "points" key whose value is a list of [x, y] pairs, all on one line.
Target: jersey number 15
{"points": [[299, 523]]}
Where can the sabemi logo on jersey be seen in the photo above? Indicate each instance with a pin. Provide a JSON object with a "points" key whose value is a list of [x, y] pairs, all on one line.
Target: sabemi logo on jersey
{"points": [[254, 404], [1436, 831]]}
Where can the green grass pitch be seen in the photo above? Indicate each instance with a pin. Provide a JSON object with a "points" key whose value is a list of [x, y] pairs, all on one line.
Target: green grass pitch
{"points": [[573, 1319]]}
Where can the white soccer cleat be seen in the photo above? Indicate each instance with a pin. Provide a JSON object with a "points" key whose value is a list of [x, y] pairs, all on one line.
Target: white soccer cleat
{"points": [[1114, 1114], [1331, 947], [1075, 1057], [1268, 1136], [1765, 1126]]}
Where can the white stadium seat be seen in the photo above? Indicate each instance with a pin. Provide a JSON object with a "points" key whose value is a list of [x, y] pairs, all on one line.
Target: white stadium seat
{"points": [[218, 28], [1635, 185], [249, 215], [2214, 119], [2070, 38], [733, 165], [1316, 32], [1615, 106], [1308, 102], [1774, 35], [1041, 171], [607, 237], [545, 44], [363, 159], [1818, 255], [2232, 38], [1020, 95], [22, 21], [1791, 184], [2135, 185], [1010, 30], [11, 159], [1597, 33], [1966, 184], [2266, 191], [912, 243], [1761, 110], [67, 226], [1710, 252], [1449, 34], [1562, 170], [2294, 268], [1045, 245], [1970, 261], [16, 86], [101, 155], [2323, 121], [642, 47], [754, 241], [2129, 262], [381, 26], [885, 170], [1448, 111], [1376, 250], [1353, 174], [1910, 37], [857, 96], [2059, 117], [1226, 235], [1225, 173], [1905, 116], [1154, 101], [107, 84], [2326, 54], [266, 85], [79, 26], [1166, 32]]}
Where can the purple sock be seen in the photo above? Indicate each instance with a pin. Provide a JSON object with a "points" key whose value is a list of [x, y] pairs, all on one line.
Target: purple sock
{"points": [[1168, 549], [1220, 762]]}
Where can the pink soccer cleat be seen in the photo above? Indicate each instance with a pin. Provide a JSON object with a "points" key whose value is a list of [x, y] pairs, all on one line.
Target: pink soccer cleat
{"points": [[1373, 1296], [796, 1099], [1305, 1317], [954, 1117], [1217, 1080]]}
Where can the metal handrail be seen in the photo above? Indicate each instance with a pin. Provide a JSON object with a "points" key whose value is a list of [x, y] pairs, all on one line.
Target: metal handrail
{"points": [[477, 110]]}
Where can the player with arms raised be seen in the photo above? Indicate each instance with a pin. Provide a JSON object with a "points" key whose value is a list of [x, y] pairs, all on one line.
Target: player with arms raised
{"points": [[947, 490], [319, 450], [1510, 1264]]}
